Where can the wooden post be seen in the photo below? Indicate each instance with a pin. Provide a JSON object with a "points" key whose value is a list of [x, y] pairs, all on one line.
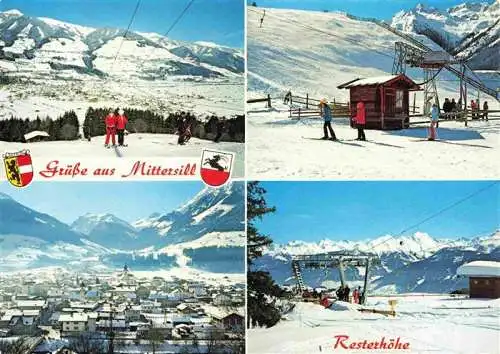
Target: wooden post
{"points": [[307, 101], [268, 101], [365, 287], [414, 98], [291, 99], [299, 113]]}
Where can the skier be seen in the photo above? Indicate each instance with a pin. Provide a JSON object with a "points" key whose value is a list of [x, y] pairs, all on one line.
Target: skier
{"points": [[485, 110], [434, 120], [288, 97], [340, 292], [360, 120], [473, 108], [346, 293], [220, 129], [326, 113], [121, 123], [453, 106], [446, 108], [355, 296], [110, 122]]}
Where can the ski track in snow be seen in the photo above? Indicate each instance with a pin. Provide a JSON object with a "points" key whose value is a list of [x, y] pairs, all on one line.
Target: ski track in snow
{"points": [[139, 146], [310, 327], [277, 149]]}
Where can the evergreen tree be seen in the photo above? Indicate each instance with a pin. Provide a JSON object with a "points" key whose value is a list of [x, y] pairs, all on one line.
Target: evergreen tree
{"points": [[256, 208], [260, 285]]}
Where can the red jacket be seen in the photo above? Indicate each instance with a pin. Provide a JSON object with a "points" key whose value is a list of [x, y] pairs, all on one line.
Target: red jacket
{"points": [[110, 121], [121, 122], [360, 113]]}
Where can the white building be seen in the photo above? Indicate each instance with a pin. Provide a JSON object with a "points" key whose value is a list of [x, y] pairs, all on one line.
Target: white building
{"points": [[76, 322]]}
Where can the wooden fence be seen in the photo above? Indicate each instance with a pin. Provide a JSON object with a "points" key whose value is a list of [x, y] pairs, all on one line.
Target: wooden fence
{"points": [[256, 100], [466, 116], [311, 107]]}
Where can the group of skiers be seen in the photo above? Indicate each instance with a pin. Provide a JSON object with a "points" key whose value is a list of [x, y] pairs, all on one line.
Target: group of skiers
{"points": [[343, 294], [474, 106], [450, 107], [116, 122], [359, 120]]}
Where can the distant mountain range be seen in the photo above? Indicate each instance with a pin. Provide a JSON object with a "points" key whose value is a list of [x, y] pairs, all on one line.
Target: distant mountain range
{"points": [[470, 30], [416, 263], [210, 226], [51, 47]]}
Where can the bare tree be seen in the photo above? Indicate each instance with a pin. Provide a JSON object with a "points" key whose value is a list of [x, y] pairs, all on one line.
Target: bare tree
{"points": [[155, 338], [19, 346], [88, 343], [214, 341]]}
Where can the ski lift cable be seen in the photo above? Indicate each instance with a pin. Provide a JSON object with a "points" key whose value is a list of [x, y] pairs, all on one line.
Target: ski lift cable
{"points": [[125, 35], [328, 33], [438, 213]]}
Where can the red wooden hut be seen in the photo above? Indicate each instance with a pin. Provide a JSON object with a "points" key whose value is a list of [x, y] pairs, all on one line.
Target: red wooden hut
{"points": [[386, 100]]}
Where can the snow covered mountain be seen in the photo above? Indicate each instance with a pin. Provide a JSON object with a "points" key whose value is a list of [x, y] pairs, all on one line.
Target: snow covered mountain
{"points": [[106, 230], [16, 219], [469, 30], [212, 210], [416, 263], [53, 46], [53, 66]]}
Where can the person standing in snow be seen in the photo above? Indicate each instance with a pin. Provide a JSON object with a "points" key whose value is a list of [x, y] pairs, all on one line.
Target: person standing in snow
{"points": [[360, 120], [473, 108], [355, 296], [288, 97], [110, 122], [434, 121], [485, 110], [326, 114], [346, 293], [121, 123]]}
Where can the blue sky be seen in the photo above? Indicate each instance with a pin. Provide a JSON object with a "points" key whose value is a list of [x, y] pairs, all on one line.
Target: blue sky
{"points": [[129, 201], [312, 211], [381, 9], [219, 21]]}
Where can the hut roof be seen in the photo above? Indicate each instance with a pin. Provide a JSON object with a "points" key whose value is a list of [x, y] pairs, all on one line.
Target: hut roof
{"points": [[35, 134], [380, 80], [480, 269]]}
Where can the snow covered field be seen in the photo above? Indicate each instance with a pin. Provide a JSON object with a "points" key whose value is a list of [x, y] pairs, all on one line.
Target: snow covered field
{"points": [[279, 147], [430, 324], [139, 146]]}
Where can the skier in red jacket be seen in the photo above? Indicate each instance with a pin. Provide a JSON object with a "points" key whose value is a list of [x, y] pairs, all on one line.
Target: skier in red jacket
{"points": [[360, 120], [110, 122], [121, 123]]}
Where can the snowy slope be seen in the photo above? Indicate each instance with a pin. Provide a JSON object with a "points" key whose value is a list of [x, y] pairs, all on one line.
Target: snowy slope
{"points": [[314, 52], [430, 324], [280, 147], [468, 30], [139, 146]]}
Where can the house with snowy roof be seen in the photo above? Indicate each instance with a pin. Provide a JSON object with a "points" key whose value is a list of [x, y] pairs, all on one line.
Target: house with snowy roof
{"points": [[386, 100], [484, 278]]}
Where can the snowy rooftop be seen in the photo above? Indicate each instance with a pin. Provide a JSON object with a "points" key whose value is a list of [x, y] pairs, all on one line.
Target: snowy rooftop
{"points": [[480, 269], [34, 134], [76, 317], [370, 81]]}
